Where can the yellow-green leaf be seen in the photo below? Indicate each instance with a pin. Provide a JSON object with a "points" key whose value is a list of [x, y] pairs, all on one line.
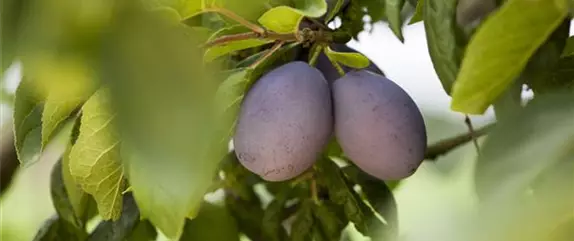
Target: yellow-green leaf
{"points": [[185, 8], [500, 49], [220, 50], [281, 19], [393, 10], [28, 105], [311, 8], [353, 60], [418, 15], [95, 157]]}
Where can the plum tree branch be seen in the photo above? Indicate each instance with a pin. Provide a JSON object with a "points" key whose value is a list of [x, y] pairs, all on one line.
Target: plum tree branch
{"points": [[444, 146]]}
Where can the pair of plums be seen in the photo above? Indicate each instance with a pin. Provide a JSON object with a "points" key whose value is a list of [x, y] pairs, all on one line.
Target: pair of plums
{"points": [[290, 114]]}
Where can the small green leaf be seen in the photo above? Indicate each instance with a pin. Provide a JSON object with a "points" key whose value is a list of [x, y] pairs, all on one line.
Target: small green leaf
{"points": [[519, 149], [185, 8], [418, 15], [79, 199], [95, 157], [61, 200], [61, 103], [311, 8], [213, 222], [144, 231], [272, 218], [281, 19], [328, 220], [445, 48], [500, 49], [393, 10], [353, 60], [341, 194], [304, 222], [220, 50], [120, 229], [28, 106], [336, 7]]}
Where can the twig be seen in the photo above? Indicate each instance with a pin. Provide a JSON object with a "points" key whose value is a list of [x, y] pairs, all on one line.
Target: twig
{"points": [[315, 54], [468, 123], [231, 38], [254, 27], [270, 52], [442, 147]]}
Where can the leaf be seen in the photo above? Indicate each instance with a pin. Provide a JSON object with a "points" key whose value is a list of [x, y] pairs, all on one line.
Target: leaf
{"points": [[248, 9], [311, 8], [163, 72], [353, 60], [28, 107], [281, 19], [336, 7], [541, 67], [272, 218], [339, 193], [144, 231], [329, 222], [418, 15], [393, 11], [61, 200], [381, 199], [519, 149], [122, 228], [79, 200], [220, 50], [56, 229], [445, 48], [185, 8], [95, 160], [500, 49], [213, 222], [304, 222], [569, 48], [248, 213], [61, 103]]}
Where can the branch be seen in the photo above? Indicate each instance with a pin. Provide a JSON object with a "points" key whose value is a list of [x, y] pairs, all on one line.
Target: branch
{"points": [[442, 147], [8, 159], [254, 27], [250, 35]]}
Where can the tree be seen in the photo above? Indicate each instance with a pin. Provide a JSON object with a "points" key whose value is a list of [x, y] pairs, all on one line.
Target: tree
{"points": [[147, 96]]}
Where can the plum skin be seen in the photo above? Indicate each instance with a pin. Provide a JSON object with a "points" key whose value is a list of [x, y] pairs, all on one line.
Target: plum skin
{"points": [[284, 123], [378, 125]]}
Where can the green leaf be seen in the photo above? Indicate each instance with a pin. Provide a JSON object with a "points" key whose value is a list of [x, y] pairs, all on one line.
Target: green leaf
{"points": [[328, 220], [95, 160], [247, 212], [61, 200], [185, 8], [272, 218], [79, 200], [61, 103], [120, 229], [393, 11], [500, 49], [213, 222], [519, 149], [144, 231], [28, 107], [418, 15], [281, 19], [220, 50], [353, 60], [163, 72], [251, 10], [311, 8], [56, 229], [340, 193], [569, 48], [335, 9], [541, 67], [445, 48], [304, 222]]}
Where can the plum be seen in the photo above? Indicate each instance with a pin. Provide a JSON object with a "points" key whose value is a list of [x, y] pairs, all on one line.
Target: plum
{"points": [[329, 71], [378, 125], [284, 122]]}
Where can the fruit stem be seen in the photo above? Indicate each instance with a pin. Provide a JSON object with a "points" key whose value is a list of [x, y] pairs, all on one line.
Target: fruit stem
{"points": [[317, 48], [254, 27], [270, 52], [314, 193]]}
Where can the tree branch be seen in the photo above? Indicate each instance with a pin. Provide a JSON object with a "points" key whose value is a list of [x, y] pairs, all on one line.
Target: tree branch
{"points": [[444, 146]]}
